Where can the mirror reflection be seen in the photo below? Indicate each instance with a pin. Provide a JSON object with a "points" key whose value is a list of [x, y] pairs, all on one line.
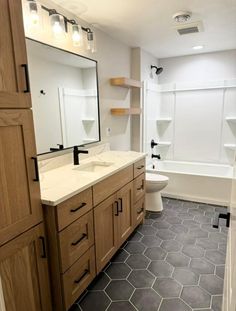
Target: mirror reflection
{"points": [[64, 97]]}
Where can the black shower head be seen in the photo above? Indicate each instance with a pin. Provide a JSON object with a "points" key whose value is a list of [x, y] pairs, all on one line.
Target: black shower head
{"points": [[158, 69]]}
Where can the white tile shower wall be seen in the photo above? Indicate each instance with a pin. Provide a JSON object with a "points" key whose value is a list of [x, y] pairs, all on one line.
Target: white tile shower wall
{"points": [[113, 60]]}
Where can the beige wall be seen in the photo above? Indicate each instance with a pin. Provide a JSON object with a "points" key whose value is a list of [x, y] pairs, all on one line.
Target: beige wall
{"points": [[114, 59]]}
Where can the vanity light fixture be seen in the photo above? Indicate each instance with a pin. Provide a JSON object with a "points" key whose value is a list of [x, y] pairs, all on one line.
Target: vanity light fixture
{"points": [[58, 25], [33, 18], [77, 36]]}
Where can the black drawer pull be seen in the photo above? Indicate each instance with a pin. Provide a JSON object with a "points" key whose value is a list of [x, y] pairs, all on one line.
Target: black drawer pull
{"points": [[44, 254], [84, 235], [79, 207], [121, 205], [140, 167], [86, 271], [140, 211], [36, 169], [140, 188], [25, 66], [117, 208]]}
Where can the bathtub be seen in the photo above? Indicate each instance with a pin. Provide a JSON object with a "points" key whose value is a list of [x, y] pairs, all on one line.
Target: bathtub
{"points": [[199, 182]]}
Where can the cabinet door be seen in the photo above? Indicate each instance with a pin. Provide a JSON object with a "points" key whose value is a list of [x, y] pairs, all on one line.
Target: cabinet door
{"points": [[24, 273], [14, 82], [20, 206], [139, 212], [125, 199], [106, 231]]}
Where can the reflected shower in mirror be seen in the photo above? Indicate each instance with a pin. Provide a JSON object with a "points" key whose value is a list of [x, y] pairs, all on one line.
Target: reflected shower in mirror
{"points": [[64, 97]]}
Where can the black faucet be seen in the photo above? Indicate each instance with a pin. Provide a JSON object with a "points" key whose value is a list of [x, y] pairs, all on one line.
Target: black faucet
{"points": [[60, 147], [76, 153], [153, 144], [157, 156]]}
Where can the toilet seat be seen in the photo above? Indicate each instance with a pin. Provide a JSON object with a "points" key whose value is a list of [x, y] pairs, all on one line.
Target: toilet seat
{"points": [[156, 178]]}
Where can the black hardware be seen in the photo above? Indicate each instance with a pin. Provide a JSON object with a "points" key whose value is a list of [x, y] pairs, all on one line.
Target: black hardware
{"points": [[157, 156], [225, 216], [153, 144], [73, 210], [86, 271], [84, 235], [121, 205], [60, 147], [117, 208], [76, 153], [44, 254], [36, 169], [27, 90], [140, 167], [140, 211], [42, 92], [140, 188]]}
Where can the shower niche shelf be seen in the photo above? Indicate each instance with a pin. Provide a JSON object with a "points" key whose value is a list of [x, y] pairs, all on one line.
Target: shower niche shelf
{"points": [[164, 144], [125, 111], [126, 82], [230, 146], [88, 120], [163, 120], [231, 119]]}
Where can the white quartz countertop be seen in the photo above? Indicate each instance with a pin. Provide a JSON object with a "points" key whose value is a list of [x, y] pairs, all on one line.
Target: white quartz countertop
{"points": [[62, 183]]}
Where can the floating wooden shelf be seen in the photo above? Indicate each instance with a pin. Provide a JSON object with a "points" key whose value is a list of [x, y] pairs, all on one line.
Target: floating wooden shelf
{"points": [[125, 111], [125, 82]]}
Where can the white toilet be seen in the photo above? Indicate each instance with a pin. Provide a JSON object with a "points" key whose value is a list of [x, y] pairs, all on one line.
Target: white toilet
{"points": [[154, 184]]}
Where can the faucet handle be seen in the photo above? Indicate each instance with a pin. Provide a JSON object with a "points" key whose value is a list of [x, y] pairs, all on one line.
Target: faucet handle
{"points": [[153, 144]]}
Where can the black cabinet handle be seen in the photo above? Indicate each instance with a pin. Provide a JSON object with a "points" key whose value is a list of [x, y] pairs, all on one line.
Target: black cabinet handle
{"points": [[86, 271], [44, 254], [36, 169], [140, 211], [121, 205], [140, 188], [117, 208], [84, 235], [25, 66], [73, 210], [140, 167]]}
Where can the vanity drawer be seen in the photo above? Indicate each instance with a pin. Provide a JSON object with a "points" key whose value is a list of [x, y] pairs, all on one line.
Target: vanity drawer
{"points": [[139, 187], [139, 168], [73, 208], [76, 239], [78, 277], [110, 185], [139, 211]]}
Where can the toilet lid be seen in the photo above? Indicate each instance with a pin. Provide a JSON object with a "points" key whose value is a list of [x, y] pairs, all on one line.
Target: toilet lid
{"points": [[156, 177]]}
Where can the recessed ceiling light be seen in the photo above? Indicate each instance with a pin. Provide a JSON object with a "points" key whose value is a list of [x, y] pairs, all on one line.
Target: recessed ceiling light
{"points": [[198, 47]]}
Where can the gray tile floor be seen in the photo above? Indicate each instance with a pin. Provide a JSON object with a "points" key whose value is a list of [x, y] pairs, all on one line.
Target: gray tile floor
{"points": [[174, 262]]}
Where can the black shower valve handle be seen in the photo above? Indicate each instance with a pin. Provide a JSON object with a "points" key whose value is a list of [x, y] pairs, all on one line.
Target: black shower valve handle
{"points": [[153, 143]]}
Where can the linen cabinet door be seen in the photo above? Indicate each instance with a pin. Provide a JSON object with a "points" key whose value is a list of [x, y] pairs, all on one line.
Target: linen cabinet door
{"points": [[125, 200], [20, 206], [24, 273], [14, 80], [106, 231]]}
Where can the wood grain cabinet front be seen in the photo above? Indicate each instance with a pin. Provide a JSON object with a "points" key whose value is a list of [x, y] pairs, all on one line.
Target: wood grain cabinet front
{"points": [[139, 212], [14, 78], [139, 187], [139, 167], [20, 204], [24, 272]]}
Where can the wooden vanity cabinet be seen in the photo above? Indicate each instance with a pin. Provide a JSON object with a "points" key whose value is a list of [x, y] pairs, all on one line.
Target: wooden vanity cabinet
{"points": [[14, 80]]}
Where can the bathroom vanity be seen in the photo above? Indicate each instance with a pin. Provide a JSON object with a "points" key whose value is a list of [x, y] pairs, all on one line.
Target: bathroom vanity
{"points": [[90, 210]]}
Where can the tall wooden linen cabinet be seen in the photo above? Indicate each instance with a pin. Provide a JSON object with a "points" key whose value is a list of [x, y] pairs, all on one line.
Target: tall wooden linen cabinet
{"points": [[24, 283]]}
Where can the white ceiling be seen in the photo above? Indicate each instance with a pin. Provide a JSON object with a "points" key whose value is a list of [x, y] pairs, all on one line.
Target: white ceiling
{"points": [[149, 24]]}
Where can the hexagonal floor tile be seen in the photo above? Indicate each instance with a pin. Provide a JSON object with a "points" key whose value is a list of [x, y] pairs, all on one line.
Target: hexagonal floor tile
{"points": [[148, 221], [218, 237], [96, 298], [118, 271], [196, 297], [206, 207], [171, 245], [185, 239], [119, 290], [160, 268], [220, 271], [146, 299], [207, 244], [120, 305], [178, 228], [120, 256], [190, 204], [147, 230], [223, 247], [173, 220], [191, 224], [173, 304], [198, 233], [215, 256], [202, 266], [212, 283], [167, 288], [135, 247], [195, 211], [151, 241], [193, 251], [165, 234], [100, 282], [202, 219], [178, 259], [185, 276], [138, 261], [217, 303], [185, 215], [155, 253], [209, 228], [141, 278], [161, 225], [135, 237]]}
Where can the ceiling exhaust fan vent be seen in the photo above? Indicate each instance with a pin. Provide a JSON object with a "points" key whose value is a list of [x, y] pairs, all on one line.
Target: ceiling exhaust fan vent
{"points": [[191, 28]]}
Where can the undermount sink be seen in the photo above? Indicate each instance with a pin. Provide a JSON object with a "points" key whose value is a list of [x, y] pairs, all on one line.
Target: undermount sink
{"points": [[94, 166]]}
